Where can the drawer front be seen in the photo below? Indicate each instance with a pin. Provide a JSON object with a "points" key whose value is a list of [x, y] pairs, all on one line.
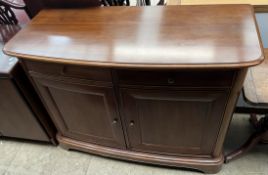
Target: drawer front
{"points": [[84, 72], [176, 78]]}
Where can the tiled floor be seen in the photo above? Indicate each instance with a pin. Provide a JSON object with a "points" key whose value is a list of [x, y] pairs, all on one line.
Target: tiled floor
{"points": [[22, 158]]}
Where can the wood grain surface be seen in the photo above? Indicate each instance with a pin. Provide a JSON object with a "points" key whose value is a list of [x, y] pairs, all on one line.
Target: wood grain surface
{"points": [[173, 2], [259, 5], [150, 37]]}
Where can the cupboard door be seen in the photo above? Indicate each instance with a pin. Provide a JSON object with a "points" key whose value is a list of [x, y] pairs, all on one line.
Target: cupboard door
{"points": [[82, 111], [173, 122]]}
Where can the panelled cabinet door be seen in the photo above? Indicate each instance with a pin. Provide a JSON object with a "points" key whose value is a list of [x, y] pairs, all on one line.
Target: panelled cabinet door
{"points": [[172, 122], [82, 111]]}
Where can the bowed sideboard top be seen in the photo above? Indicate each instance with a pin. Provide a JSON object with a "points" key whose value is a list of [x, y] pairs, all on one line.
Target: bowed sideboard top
{"points": [[217, 36]]}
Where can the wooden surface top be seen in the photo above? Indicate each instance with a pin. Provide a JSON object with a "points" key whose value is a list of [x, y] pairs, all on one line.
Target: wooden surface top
{"points": [[259, 5], [198, 2], [173, 2], [256, 83], [151, 37]]}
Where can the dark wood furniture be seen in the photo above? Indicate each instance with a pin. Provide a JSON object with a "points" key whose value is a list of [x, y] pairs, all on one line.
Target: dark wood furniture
{"points": [[22, 114], [34, 7], [7, 15], [148, 84], [254, 99]]}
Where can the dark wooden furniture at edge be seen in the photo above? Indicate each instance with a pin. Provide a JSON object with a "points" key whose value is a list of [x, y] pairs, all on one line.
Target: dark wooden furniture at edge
{"points": [[22, 114], [148, 84], [34, 7]]}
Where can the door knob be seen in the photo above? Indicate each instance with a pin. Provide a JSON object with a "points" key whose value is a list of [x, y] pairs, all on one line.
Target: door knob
{"points": [[131, 123], [115, 121]]}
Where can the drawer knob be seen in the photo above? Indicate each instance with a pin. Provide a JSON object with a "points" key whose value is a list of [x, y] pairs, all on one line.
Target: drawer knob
{"points": [[171, 80], [131, 123], [115, 121]]}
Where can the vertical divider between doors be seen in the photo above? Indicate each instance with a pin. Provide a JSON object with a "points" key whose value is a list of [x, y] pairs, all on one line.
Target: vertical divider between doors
{"points": [[119, 106]]}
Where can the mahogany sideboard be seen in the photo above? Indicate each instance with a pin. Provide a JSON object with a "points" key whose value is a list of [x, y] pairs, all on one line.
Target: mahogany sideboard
{"points": [[148, 84]]}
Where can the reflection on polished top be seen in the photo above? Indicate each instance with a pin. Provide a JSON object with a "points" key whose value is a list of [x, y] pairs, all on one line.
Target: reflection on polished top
{"points": [[152, 37]]}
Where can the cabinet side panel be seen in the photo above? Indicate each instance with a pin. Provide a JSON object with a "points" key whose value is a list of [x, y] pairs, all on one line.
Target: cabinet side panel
{"points": [[17, 120]]}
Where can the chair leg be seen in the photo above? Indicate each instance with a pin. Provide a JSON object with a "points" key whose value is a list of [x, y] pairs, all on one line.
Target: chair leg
{"points": [[161, 2], [255, 138]]}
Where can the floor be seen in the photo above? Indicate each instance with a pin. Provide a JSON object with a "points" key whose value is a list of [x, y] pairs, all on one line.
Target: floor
{"points": [[24, 158]]}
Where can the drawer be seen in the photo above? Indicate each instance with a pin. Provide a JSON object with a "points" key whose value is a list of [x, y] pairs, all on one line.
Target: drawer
{"points": [[176, 78], [84, 72]]}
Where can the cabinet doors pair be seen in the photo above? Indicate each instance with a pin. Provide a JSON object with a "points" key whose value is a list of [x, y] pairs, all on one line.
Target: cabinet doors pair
{"points": [[156, 120]]}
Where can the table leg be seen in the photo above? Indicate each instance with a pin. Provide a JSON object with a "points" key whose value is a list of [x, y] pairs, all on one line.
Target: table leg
{"points": [[260, 133]]}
